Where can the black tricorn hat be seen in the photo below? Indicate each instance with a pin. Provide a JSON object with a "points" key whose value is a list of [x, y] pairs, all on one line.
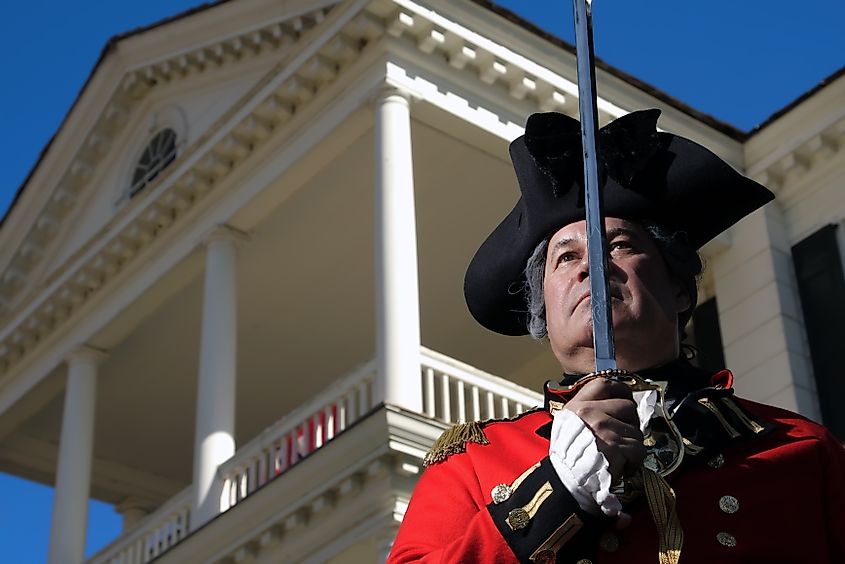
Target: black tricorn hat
{"points": [[645, 175]]}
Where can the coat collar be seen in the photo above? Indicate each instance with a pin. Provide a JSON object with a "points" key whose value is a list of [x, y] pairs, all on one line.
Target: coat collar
{"points": [[703, 407]]}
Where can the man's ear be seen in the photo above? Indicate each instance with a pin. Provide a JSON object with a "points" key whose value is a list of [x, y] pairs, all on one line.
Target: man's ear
{"points": [[682, 298]]}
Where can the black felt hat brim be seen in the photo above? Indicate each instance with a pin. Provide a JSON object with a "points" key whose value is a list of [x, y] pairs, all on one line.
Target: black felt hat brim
{"points": [[644, 175]]}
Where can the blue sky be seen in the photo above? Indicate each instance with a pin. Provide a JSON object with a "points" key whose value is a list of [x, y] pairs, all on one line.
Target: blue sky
{"points": [[739, 61]]}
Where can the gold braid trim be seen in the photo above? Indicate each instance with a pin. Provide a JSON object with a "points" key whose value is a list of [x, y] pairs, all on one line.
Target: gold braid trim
{"points": [[454, 441], [661, 502]]}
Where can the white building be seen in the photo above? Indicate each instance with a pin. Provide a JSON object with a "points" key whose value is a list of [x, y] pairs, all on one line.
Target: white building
{"points": [[231, 289]]}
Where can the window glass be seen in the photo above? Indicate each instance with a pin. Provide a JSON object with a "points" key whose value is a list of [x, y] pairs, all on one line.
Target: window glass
{"points": [[159, 152]]}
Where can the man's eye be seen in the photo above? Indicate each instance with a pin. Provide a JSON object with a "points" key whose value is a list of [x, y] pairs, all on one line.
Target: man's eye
{"points": [[620, 246], [567, 257]]}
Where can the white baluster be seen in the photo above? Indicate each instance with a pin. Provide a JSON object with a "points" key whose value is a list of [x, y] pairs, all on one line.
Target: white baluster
{"points": [[519, 408], [306, 439], [279, 459], [252, 479], [430, 408], [175, 527], [154, 542], [341, 413], [242, 491], [234, 484], [172, 530], [163, 530], [505, 408], [352, 412], [445, 398], [293, 455], [317, 425], [363, 398], [462, 409], [233, 490], [136, 552], [330, 422], [166, 535], [476, 404], [266, 455], [186, 515], [491, 407], [224, 495], [149, 547]]}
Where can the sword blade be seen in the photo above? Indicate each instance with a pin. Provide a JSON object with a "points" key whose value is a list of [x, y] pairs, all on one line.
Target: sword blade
{"points": [[596, 242]]}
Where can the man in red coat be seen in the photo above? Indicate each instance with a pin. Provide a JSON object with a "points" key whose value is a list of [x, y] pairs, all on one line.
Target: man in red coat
{"points": [[658, 462]]}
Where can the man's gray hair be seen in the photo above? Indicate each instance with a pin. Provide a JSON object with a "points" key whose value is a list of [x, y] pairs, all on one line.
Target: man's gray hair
{"points": [[535, 270], [682, 260]]}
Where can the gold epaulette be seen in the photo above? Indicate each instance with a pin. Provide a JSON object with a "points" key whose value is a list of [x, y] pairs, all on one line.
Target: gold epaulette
{"points": [[454, 440]]}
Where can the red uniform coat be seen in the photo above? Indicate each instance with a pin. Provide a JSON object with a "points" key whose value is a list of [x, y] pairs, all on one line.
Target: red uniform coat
{"points": [[785, 473]]}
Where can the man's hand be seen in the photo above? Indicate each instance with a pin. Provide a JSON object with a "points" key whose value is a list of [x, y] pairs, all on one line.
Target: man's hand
{"points": [[608, 409]]}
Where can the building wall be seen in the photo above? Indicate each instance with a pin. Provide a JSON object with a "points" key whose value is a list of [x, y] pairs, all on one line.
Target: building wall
{"points": [[799, 157]]}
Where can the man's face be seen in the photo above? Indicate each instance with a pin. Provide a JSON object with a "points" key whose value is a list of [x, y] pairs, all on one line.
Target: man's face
{"points": [[646, 299]]}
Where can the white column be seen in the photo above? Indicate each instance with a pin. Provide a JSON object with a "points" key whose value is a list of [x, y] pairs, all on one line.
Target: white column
{"points": [[73, 474], [214, 440], [397, 294]]}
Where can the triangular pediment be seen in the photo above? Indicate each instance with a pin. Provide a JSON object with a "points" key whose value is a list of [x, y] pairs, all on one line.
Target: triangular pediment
{"points": [[183, 75]]}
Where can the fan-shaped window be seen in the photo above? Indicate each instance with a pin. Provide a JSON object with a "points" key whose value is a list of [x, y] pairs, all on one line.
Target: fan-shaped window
{"points": [[160, 152]]}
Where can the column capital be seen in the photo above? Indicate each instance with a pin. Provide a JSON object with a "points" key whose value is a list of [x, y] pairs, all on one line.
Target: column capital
{"points": [[133, 510], [224, 232], [86, 353], [387, 90]]}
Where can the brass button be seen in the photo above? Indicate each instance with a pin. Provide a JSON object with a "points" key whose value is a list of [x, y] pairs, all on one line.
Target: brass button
{"points": [[729, 504], [609, 542], [518, 519], [717, 461], [726, 539], [545, 556], [501, 493]]}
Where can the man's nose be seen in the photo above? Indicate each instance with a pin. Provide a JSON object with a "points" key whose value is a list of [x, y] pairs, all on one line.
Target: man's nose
{"points": [[583, 269]]}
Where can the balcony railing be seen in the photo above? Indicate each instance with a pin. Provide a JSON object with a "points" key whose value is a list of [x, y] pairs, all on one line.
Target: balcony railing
{"points": [[451, 392], [297, 435], [156, 533], [457, 392]]}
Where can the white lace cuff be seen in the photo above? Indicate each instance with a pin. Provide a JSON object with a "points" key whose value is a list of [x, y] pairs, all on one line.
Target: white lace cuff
{"points": [[584, 470], [580, 466]]}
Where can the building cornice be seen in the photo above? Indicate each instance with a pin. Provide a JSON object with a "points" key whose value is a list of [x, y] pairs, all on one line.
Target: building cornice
{"points": [[791, 162]]}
